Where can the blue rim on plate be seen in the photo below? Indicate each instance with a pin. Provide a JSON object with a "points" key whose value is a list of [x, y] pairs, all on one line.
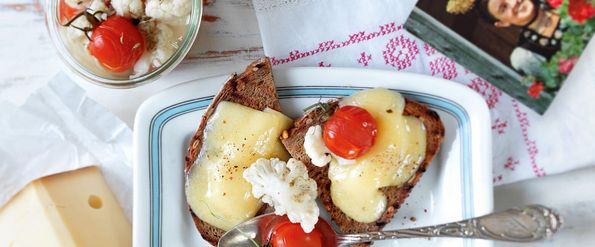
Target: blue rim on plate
{"points": [[160, 119]]}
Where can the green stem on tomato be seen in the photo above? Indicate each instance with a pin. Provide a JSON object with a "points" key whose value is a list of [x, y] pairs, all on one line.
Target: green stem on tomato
{"points": [[91, 18], [74, 18], [85, 30]]}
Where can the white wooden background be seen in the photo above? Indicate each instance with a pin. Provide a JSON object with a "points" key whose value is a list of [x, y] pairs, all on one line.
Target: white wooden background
{"points": [[227, 41]]}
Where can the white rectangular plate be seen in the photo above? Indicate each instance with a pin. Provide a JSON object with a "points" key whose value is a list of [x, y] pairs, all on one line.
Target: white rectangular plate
{"points": [[457, 185]]}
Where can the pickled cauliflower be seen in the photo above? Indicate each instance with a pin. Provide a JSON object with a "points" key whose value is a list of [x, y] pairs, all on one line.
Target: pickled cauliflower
{"points": [[161, 24], [168, 10], [128, 8], [286, 187], [315, 148], [161, 45], [99, 5], [166, 44]]}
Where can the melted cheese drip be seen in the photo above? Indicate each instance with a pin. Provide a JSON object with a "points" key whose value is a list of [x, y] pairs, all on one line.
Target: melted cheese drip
{"points": [[398, 150], [235, 137]]}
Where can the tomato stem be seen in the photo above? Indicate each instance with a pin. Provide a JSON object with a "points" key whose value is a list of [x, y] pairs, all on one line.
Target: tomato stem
{"points": [[74, 18], [268, 244], [91, 18], [85, 30]]}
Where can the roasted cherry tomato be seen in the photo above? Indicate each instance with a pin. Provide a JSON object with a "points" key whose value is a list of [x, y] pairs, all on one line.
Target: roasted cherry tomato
{"points": [[350, 132], [66, 12], [287, 234], [117, 44]]}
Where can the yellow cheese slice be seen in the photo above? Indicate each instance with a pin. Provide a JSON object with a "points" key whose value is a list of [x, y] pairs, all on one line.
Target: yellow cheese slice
{"points": [[399, 148], [235, 137], [71, 209]]}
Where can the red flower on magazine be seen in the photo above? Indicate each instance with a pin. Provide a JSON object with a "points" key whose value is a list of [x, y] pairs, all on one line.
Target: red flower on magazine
{"points": [[555, 3], [580, 10], [566, 65], [535, 89]]}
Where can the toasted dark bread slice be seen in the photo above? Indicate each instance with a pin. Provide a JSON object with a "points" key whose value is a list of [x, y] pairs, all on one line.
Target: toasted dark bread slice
{"points": [[294, 143], [254, 88]]}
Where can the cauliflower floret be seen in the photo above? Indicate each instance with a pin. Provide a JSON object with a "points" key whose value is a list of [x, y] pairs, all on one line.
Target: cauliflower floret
{"points": [[99, 5], [286, 187], [143, 65], [317, 150], [128, 8], [94, 5], [167, 44], [315, 147], [169, 10], [160, 44]]}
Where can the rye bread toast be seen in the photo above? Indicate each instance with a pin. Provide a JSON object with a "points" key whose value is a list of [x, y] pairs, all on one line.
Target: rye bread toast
{"points": [[294, 143], [254, 88]]}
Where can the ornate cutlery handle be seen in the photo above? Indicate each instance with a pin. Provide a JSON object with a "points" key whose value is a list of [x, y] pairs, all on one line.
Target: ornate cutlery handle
{"points": [[530, 223]]}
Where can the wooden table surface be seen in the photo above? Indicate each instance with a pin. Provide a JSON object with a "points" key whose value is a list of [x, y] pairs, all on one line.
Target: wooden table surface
{"points": [[228, 40]]}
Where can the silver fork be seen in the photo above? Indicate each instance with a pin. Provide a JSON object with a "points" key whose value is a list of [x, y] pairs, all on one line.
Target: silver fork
{"points": [[531, 223]]}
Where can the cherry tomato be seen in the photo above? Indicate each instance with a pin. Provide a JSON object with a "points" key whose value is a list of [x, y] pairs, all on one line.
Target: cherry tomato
{"points": [[117, 44], [66, 12], [350, 132], [287, 234]]}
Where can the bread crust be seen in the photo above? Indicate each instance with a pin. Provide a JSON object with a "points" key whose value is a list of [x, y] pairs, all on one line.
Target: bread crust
{"points": [[254, 88], [294, 143]]}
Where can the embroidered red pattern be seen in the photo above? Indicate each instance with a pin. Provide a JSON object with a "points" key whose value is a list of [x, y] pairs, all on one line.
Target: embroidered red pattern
{"points": [[530, 144], [489, 92], [322, 64], [510, 164], [497, 179], [400, 52], [499, 126], [355, 38], [364, 59], [429, 50], [444, 66]]}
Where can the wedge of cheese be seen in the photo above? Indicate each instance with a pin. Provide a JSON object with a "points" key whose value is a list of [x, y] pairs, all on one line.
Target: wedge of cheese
{"points": [[74, 208]]}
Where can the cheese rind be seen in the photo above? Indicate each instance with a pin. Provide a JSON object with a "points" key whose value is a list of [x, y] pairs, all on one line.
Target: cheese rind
{"points": [[57, 211], [235, 137]]}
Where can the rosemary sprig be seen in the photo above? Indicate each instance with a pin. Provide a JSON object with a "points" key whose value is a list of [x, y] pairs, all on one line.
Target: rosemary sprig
{"points": [[323, 106], [326, 110]]}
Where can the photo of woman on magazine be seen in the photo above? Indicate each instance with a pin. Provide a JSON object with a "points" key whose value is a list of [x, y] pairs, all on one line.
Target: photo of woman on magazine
{"points": [[539, 39]]}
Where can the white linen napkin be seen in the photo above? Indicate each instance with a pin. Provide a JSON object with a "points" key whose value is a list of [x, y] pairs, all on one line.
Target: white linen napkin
{"points": [[59, 129], [369, 34]]}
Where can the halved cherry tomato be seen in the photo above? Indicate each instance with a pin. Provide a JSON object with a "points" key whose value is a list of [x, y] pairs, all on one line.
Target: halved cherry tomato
{"points": [[66, 12], [117, 44], [287, 234], [350, 132]]}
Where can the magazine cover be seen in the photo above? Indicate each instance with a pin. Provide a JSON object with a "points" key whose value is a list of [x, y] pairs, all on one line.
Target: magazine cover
{"points": [[524, 47]]}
